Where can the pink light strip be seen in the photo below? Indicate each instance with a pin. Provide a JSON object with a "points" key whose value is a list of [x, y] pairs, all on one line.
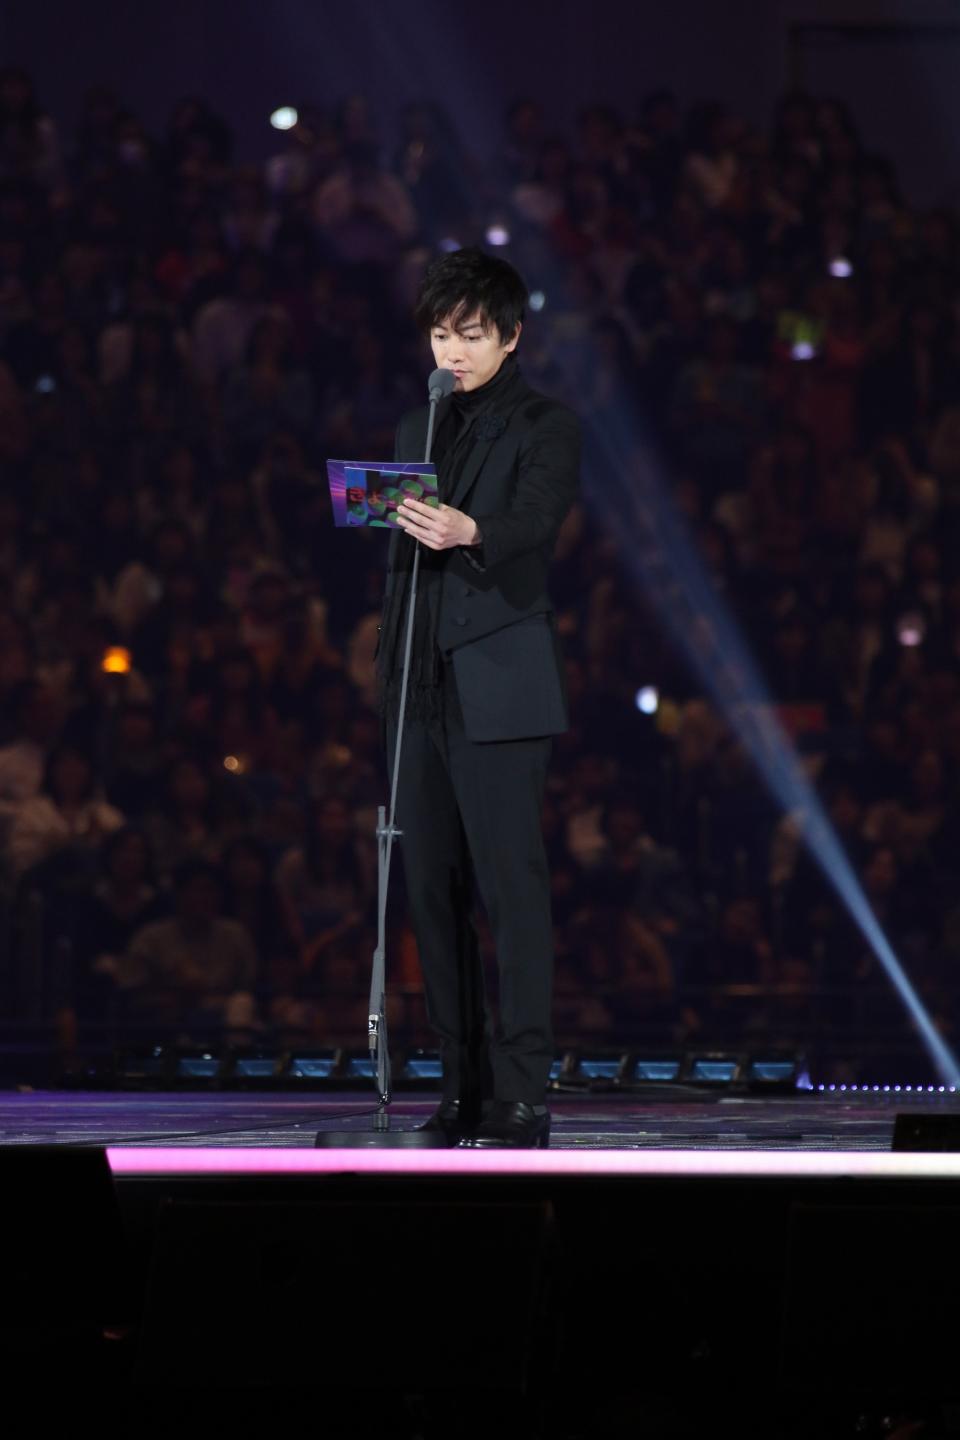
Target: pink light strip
{"points": [[227, 1160]]}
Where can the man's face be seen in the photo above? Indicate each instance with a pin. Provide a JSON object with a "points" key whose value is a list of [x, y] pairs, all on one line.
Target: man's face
{"points": [[472, 349]]}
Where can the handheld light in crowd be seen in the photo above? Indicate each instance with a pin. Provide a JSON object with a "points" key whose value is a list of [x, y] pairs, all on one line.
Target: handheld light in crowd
{"points": [[840, 267], [498, 234], [284, 118], [648, 699], [537, 299], [800, 333], [234, 764], [116, 660], [911, 629]]}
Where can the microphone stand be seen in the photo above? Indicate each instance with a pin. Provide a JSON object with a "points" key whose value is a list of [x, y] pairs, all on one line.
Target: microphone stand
{"points": [[440, 385]]}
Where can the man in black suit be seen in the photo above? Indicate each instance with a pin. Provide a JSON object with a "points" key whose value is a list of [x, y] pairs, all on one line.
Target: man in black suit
{"points": [[486, 693]]}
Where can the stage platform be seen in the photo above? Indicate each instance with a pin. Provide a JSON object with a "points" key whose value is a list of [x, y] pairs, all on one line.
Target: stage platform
{"points": [[672, 1130], [673, 1260]]}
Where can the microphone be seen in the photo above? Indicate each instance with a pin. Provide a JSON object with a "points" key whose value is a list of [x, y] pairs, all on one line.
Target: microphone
{"points": [[440, 385]]}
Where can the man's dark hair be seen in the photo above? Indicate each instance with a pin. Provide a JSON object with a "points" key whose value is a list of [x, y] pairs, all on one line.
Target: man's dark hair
{"points": [[469, 281]]}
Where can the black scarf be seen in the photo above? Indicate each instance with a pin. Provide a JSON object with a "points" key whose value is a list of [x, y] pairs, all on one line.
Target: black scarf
{"points": [[452, 443]]}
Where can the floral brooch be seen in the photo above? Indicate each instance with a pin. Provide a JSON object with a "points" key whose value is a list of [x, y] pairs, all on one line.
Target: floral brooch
{"points": [[488, 427]]}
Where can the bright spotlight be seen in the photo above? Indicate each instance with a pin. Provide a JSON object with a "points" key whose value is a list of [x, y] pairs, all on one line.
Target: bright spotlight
{"points": [[648, 699], [537, 299], [911, 629], [284, 118], [498, 235], [840, 267]]}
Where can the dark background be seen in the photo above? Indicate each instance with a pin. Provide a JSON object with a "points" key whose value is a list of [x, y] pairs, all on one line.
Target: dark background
{"points": [[895, 63], [184, 338]]}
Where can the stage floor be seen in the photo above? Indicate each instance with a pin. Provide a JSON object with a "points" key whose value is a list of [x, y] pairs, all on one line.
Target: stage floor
{"points": [[667, 1133]]}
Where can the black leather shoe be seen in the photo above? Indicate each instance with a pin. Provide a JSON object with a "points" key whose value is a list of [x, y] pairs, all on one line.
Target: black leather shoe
{"points": [[512, 1125], [446, 1120]]}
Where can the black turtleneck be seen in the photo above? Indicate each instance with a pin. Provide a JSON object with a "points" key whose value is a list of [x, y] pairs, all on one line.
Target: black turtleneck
{"points": [[465, 405], [470, 402]]}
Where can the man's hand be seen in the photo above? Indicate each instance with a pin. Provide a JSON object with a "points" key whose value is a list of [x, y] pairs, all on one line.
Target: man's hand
{"points": [[439, 528]]}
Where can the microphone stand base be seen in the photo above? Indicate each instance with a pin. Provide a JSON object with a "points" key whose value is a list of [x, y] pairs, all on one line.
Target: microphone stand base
{"points": [[381, 1139]]}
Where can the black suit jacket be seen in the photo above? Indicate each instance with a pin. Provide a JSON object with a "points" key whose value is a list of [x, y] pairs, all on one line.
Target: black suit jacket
{"points": [[496, 617]]}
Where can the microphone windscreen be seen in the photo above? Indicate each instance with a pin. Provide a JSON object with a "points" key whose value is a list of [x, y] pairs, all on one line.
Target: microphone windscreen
{"points": [[440, 384]]}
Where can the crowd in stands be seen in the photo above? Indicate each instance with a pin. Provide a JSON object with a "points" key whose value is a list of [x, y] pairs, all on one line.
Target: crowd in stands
{"points": [[190, 758]]}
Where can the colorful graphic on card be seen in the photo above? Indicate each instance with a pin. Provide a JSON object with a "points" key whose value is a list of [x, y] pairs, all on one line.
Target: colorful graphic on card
{"points": [[367, 492]]}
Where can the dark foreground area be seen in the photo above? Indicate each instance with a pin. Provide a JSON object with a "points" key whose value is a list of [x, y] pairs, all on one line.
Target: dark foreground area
{"points": [[675, 1264]]}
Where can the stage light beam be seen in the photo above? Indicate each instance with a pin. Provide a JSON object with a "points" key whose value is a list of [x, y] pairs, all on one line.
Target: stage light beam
{"points": [[665, 564]]}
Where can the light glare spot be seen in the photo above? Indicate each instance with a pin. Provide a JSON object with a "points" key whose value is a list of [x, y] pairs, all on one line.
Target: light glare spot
{"points": [[116, 660], [911, 629], [284, 118]]}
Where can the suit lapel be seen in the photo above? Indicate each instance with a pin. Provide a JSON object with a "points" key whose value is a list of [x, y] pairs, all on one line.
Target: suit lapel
{"points": [[480, 449], [476, 455]]}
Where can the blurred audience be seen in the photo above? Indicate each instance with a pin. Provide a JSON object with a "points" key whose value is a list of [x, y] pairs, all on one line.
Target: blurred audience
{"points": [[198, 963]]}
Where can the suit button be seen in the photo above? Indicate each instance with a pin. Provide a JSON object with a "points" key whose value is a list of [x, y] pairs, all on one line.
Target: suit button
{"points": [[459, 619]]}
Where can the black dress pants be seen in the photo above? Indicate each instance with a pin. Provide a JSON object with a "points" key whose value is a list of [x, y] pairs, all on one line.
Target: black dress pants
{"points": [[469, 811]]}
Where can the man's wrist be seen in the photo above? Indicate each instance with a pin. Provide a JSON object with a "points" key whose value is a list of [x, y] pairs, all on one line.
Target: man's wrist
{"points": [[477, 538]]}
